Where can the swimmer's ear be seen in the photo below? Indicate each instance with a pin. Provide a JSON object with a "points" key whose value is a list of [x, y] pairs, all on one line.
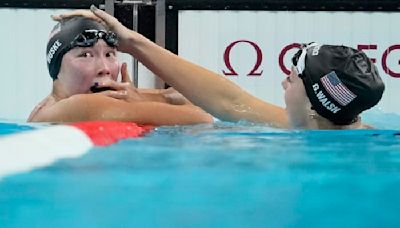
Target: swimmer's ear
{"points": [[124, 73]]}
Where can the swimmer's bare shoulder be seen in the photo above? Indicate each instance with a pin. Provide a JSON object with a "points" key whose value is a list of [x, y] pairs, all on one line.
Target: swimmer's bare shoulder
{"points": [[74, 108], [43, 105]]}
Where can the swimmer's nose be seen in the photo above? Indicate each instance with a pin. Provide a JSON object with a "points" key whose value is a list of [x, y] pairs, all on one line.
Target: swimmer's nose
{"points": [[103, 69]]}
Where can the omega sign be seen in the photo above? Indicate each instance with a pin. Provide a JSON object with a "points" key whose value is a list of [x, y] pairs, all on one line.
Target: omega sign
{"points": [[257, 71]]}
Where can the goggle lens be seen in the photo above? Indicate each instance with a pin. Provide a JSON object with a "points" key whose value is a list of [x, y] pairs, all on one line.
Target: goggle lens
{"points": [[90, 37]]}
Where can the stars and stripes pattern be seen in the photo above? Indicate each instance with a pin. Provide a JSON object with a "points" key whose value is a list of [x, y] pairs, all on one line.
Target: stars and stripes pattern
{"points": [[337, 89]]}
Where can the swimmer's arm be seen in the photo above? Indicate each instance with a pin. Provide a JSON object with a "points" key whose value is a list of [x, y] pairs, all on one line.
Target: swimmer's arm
{"points": [[98, 107], [206, 89]]}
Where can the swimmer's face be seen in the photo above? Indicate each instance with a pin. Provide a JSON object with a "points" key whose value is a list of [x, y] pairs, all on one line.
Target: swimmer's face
{"points": [[81, 67], [297, 103]]}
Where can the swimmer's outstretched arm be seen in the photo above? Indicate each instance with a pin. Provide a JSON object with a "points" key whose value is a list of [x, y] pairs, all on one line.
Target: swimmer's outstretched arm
{"points": [[206, 89]]}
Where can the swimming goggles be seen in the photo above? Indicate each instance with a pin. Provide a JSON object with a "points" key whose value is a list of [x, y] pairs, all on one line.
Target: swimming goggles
{"points": [[88, 38], [299, 59]]}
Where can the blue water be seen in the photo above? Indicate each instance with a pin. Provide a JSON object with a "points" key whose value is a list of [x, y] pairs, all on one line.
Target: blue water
{"points": [[224, 175], [7, 128]]}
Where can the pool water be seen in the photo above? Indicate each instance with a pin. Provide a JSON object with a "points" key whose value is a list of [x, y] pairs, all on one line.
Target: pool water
{"points": [[7, 128], [221, 175]]}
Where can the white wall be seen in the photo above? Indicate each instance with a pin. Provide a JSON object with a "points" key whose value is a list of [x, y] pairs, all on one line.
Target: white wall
{"points": [[205, 35], [24, 75]]}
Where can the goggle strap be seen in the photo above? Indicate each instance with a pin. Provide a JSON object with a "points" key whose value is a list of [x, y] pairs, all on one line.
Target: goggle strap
{"points": [[301, 62]]}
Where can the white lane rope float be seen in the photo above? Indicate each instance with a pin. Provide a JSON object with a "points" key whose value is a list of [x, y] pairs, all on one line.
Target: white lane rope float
{"points": [[22, 152]]}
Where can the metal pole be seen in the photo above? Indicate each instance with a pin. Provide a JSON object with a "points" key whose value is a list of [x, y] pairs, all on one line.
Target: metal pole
{"points": [[160, 23], [160, 32], [135, 68], [109, 7]]}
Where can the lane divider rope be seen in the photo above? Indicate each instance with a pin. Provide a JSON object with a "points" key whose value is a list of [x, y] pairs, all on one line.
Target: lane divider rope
{"points": [[25, 151]]}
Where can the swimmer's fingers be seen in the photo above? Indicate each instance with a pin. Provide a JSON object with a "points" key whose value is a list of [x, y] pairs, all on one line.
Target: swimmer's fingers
{"points": [[78, 13], [116, 85], [124, 74], [94, 13], [74, 13], [122, 90], [126, 95], [120, 94], [111, 21]]}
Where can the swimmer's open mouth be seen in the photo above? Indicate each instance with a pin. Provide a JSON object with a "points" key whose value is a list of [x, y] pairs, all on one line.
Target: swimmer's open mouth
{"points": [[96, 89]]}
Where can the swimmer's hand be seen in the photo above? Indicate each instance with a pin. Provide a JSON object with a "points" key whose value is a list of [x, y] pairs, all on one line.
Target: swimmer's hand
{"points": [[124, 34], [77, 13], [123, 90], [174, 97]]}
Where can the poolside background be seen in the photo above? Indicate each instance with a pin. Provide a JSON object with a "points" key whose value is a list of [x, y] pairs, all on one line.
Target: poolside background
{"points": [[211, 38]]}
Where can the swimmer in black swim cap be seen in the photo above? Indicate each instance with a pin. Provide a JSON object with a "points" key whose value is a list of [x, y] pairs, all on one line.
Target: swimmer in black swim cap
{"points": [[340, 82], [79, 32], [71, 33], [82, 61]]}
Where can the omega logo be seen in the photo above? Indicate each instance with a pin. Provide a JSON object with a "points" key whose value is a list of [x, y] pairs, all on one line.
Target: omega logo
{"points": [[255, 71], [231, 71]]}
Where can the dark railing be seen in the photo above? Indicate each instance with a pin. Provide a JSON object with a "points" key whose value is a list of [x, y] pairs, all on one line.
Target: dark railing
{"points": [[73, 4], [298, 5]]}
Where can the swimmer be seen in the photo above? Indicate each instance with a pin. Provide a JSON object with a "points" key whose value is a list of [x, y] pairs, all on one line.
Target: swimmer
{"points": [[82, 61], [328, 88]]}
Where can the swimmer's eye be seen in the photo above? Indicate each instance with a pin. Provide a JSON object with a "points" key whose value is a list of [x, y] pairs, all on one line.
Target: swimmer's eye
{"points": [[111, 54], [85, 54]]}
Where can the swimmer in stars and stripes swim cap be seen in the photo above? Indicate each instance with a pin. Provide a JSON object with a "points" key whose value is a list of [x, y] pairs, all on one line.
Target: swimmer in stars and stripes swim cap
{"points": [[340, 82]]}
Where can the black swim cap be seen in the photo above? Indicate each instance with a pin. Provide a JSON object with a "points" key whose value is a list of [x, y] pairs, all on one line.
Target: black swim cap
{"points": [[341, 82], [61, 37]]}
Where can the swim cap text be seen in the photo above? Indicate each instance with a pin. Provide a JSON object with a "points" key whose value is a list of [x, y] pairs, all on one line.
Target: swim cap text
{"points": [[315, 50], [324, 100], [57, 44]]}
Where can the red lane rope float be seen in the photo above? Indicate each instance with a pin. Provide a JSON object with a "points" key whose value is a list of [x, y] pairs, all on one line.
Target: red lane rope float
{"points": [[106, 133], [28, 150]]}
